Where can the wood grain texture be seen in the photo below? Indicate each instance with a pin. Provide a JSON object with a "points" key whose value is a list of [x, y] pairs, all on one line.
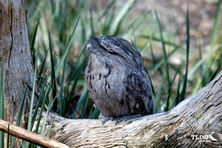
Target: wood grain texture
{"points": [[16, 55], [29, 136], [199, 114]]}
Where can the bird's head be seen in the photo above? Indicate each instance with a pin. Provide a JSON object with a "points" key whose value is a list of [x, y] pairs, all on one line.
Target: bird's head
{"points": [[115, 48]]}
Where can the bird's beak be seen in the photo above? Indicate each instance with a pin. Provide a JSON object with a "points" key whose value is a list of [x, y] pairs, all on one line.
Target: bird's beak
{"points": [[94, 45]]}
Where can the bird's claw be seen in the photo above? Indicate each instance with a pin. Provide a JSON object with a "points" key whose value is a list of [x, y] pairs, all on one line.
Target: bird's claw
{"points": [[107, 119], [120, 119]]}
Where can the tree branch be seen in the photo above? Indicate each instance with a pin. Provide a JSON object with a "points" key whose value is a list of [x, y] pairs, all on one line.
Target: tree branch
{"points": [[29, 136], [199, 114]]}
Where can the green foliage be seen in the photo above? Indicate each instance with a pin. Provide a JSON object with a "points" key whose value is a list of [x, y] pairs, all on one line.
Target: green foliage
{"points": [[187, 54], [165, 63], [19, 115], [2, 106], [62, 58]]}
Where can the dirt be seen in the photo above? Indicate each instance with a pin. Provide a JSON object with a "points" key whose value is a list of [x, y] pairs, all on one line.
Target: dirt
{"points": [[202, 15]]}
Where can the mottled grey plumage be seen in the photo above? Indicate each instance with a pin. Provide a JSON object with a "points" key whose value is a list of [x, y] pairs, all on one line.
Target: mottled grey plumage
{"points": [[116, 78]]}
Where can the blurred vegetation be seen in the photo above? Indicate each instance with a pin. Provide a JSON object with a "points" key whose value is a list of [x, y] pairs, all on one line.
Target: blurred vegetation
{"points": [[59, 31]]}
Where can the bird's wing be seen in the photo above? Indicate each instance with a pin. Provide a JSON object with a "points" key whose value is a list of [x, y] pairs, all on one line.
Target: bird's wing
{"points": [[138, 95], [136, 80]]}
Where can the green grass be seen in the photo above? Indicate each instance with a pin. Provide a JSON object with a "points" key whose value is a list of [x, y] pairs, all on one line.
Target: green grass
{"points": [[62, 58], [183, 93], [59, 32], [165, 62], [2, 106]]}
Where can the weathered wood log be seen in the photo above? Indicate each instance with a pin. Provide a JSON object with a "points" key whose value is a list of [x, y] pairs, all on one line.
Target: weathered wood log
{"points": [[195, 122]]}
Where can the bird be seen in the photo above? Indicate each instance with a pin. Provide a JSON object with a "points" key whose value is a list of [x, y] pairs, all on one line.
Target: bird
{"points": [[116, 79]]}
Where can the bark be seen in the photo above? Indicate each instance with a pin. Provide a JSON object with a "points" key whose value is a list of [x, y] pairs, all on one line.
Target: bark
{"points": [[16, 56], [29, 136], [199, 114]]}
